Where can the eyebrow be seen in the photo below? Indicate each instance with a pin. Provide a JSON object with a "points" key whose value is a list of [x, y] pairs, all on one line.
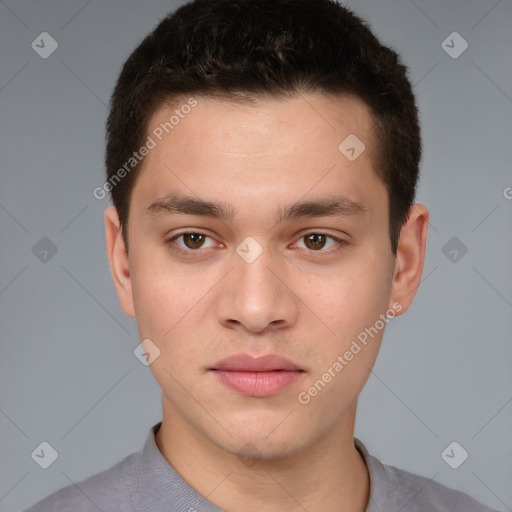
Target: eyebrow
{"points": [[333, 206]]}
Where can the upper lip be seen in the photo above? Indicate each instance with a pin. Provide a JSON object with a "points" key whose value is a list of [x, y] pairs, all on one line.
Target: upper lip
{"points": [[247, 363]]}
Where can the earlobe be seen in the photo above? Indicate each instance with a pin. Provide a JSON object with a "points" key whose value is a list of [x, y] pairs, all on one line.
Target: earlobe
{"points": [[410, 257], [118, 260]]}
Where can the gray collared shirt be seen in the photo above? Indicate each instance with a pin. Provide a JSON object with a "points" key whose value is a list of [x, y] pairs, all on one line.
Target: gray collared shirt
{"points": [[145, 481]]}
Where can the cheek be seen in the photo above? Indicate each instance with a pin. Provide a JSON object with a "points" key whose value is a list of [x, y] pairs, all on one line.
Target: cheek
{"points": [[350, 298], [162, 292], [164, 303], [151, 297], [352, 302], [166, 308], [172, 307]]}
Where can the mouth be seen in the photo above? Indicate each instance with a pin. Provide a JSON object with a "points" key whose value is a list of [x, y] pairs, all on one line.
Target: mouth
{"points": [[257, 377]]}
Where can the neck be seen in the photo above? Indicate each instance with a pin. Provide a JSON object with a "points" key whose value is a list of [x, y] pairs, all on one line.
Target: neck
{"points": [[328, 474]]}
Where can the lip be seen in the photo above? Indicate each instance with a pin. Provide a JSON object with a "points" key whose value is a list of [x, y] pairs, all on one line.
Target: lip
{"points": [[257, 377], [247, 363]]}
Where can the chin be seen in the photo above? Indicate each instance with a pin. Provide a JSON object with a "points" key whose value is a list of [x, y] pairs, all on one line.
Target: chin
{"points": [[258, 450], [260, 445]]}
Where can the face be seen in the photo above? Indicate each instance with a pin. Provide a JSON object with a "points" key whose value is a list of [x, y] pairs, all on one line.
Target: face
{"points": [[251, 232]]}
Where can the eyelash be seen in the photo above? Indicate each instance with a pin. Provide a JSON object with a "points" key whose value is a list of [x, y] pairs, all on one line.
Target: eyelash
{"points": [[171, 241]]}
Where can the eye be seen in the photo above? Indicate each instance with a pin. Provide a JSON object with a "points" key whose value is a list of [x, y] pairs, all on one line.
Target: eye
{"points": [[317, 241], [192, 241]]}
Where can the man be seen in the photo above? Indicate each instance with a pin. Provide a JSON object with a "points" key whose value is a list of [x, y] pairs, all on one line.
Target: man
{"points": [[262, 159]]}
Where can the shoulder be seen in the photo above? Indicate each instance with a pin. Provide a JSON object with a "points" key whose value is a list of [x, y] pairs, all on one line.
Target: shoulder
{"points": [[108, 490], [417, 493], [392, 488]]}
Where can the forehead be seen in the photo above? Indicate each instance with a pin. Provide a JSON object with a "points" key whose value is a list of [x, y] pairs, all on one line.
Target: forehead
{"points": [[225, 124], [274, 149]]}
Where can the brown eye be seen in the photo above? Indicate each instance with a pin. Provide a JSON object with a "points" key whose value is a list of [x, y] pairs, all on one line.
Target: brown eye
{"points": [[190, 242], [321, 243], [315, 241], [193, 240]]}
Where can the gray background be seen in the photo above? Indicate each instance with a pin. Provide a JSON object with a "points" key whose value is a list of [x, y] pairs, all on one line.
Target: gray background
{"points": [[68, 375]]}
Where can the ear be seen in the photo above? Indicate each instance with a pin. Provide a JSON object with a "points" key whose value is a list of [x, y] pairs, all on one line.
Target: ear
{"points": [[410, 257], [118, 260]]}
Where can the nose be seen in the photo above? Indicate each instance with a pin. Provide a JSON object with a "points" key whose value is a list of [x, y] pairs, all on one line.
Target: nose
{"points": [[257, 296]]}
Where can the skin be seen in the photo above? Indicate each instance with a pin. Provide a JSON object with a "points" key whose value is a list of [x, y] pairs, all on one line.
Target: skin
{"points": [[303, 301]]}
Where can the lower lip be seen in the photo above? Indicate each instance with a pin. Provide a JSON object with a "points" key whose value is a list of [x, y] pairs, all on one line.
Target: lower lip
{"points": [[258, 384]]}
